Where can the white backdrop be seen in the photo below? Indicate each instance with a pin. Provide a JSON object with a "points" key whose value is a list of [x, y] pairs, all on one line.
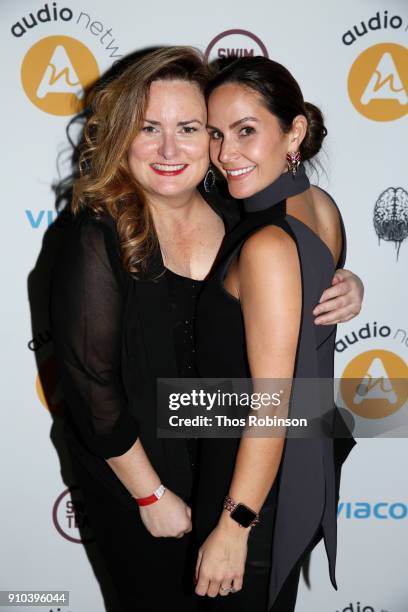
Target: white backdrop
{"points": [[361, 83]]}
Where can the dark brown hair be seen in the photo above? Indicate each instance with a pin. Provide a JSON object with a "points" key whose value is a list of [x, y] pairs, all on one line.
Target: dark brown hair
{"points": [[280, 93], [106, 185]]}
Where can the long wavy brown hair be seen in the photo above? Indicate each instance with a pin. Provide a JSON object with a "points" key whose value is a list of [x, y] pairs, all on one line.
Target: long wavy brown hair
{"points": [[106, 185]]}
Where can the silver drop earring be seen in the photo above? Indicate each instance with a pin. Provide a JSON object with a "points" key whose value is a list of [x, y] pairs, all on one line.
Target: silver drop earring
{"points": [[209, 180]]}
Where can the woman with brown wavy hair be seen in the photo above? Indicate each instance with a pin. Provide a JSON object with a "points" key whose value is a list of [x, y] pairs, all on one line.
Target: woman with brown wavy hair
{"points": [[134, 259]]}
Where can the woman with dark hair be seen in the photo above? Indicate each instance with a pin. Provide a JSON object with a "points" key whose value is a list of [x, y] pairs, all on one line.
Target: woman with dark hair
{"points": [[142, 241], [264, 502]]}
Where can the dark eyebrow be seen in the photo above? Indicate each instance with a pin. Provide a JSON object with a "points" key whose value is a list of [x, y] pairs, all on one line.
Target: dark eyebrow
{"points": [[242, 121], [179, 123], [233, 125]]}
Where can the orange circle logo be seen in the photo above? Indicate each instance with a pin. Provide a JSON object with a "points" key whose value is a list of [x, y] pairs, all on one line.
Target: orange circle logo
{"points": [[375, 384], [55, 72], [378, 82]]}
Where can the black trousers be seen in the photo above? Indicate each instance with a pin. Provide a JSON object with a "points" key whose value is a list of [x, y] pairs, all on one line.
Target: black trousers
{"points": [[156, 574], [149, 574]]}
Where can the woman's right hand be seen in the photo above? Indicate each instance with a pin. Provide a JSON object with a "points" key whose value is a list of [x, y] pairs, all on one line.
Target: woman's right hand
{"points": [[169, 517]]}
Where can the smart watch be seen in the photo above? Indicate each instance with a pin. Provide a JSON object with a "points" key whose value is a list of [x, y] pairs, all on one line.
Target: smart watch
{"points": [[243, 515]]}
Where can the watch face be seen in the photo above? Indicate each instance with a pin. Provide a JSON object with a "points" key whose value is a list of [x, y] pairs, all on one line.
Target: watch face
{"points": [[243, 515]]}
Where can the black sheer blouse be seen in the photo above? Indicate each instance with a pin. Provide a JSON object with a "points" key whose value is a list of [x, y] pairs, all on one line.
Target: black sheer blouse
{"points": [[114, 336], [87, 308]]}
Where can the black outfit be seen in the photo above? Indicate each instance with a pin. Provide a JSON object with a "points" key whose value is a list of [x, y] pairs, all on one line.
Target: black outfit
{"points": [[114, 336], [301, 506], [183, 293]]}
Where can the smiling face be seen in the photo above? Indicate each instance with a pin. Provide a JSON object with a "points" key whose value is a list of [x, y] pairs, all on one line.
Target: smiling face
{"points": [[169, 155], [247, 143]]}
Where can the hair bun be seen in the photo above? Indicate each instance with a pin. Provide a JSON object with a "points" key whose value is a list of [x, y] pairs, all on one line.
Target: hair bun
{"points": [[316, 132]]}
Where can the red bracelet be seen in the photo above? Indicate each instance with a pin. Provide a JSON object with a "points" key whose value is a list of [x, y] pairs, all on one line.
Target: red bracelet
{"points": [[151, 499]]}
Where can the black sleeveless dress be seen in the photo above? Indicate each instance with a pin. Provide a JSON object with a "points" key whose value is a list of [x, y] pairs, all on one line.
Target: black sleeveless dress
{"points": [[301, 506]]}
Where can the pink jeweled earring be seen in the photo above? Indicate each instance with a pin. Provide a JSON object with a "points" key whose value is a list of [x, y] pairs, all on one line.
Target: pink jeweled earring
{"points": [[293, 159]]}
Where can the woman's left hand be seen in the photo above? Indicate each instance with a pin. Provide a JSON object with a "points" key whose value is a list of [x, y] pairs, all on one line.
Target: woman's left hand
{"points": [[221, 560], [342, 301]]}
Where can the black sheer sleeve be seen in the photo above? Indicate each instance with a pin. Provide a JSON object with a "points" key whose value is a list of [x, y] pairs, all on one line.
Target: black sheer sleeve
{"points": [[87, 317]]}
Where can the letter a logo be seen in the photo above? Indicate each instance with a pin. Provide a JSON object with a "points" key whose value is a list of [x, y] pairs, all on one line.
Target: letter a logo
{"points": [[385, 83], [375, 384], [55, 73], [60, 76], [378, 82]]}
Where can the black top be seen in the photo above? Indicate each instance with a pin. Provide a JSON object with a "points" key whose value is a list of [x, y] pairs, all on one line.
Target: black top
{"points": [[114, 335], [183, 293], [220, 331], [87, 310], [308, 487]]}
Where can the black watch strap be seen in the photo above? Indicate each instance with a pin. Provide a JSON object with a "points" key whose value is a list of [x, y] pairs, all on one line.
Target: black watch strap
{"points": [[243, 515]]}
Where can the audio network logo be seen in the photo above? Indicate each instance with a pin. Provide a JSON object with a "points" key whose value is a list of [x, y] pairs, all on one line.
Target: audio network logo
{"points": [[57, 70], [378, 82], [55, 73], [391, 216], [374, 384], [378, 78]]}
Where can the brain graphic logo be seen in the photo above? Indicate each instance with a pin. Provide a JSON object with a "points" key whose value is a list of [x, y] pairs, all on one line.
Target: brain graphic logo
{"points": [[391, 216]]}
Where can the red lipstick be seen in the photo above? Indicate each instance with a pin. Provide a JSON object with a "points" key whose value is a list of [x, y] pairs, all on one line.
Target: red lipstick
{"points": [[169, 172]]}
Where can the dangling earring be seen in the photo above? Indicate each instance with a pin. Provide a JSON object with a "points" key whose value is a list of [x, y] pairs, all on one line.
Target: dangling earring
{"points": [[293, 160], [209, 180]]}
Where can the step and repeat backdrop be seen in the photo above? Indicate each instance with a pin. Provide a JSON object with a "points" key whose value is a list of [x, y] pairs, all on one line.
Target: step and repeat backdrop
{"points": [[351, 59]]}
